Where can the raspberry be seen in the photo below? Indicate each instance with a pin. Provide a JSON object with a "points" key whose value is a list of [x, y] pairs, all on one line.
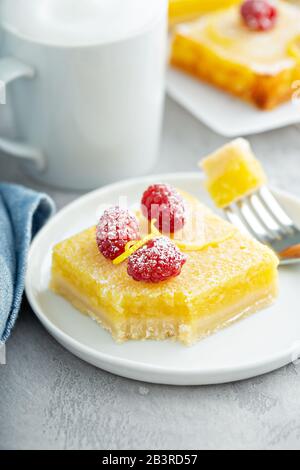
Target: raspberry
{"points": [[259, 15], [156, 261], [116, 227], [165, 204]]}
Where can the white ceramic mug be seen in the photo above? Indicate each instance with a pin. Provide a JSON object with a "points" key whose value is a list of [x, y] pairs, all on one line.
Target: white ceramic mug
{"points": [[86, 84]]}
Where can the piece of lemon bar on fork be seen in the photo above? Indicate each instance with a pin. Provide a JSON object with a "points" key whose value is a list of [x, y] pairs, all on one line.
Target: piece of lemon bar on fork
{"points": [[184, 282], [232, 172]]}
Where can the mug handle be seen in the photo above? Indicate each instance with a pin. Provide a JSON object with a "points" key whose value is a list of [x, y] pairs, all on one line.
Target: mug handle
{"points": [[12, 69]]}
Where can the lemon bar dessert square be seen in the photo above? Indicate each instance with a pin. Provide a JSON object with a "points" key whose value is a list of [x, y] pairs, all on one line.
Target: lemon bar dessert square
{"points": [[254, 58], [226, 276]]}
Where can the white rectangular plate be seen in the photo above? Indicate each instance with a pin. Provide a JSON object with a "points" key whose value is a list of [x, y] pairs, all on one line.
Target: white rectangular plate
{"points": [[223, 113]]}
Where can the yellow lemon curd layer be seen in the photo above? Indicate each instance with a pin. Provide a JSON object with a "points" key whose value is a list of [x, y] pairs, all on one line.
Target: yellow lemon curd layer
{"points": [[256, 66], [232, 172], [181, 10], [218, 285]]}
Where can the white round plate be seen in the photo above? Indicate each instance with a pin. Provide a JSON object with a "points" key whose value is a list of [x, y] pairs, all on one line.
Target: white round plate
{"points": [[259, 344]]}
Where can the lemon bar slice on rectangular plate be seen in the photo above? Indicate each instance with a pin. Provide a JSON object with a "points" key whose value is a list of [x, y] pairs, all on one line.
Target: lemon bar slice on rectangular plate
{"points": [[229, 276], [259, 67]]}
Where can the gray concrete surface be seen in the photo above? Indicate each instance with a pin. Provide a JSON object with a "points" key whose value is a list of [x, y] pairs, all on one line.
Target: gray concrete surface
{"points": [[49, 399]]}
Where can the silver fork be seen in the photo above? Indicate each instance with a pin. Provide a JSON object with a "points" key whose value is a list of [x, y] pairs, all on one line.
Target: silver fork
{"points": [[261, 215]]}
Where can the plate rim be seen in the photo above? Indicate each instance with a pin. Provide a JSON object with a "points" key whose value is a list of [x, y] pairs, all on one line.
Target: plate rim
{"points": [[174, 94], [131, 368]]}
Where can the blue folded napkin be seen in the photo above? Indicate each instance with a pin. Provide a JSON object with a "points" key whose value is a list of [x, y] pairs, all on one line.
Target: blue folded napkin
{"points": [[22, 213]]}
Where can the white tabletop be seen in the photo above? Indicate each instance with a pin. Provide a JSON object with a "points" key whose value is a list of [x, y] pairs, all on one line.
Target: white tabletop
{"points": [[50, 399]]}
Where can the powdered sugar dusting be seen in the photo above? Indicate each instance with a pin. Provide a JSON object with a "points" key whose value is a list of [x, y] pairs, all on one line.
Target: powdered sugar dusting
{"points": [[163, 203], [116, 227], [156, 261]]}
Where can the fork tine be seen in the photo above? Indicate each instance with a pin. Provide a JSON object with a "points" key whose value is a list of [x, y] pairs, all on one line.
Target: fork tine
{"points": [[253, 222], [235, 219], [238, 215], [266, 218], [275, 209], [261, 216]]}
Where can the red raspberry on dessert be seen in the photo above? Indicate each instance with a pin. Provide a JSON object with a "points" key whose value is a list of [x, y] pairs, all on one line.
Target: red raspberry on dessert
{"points": [[163, 203], [157, 261], [259, 15], [115, 229]]}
